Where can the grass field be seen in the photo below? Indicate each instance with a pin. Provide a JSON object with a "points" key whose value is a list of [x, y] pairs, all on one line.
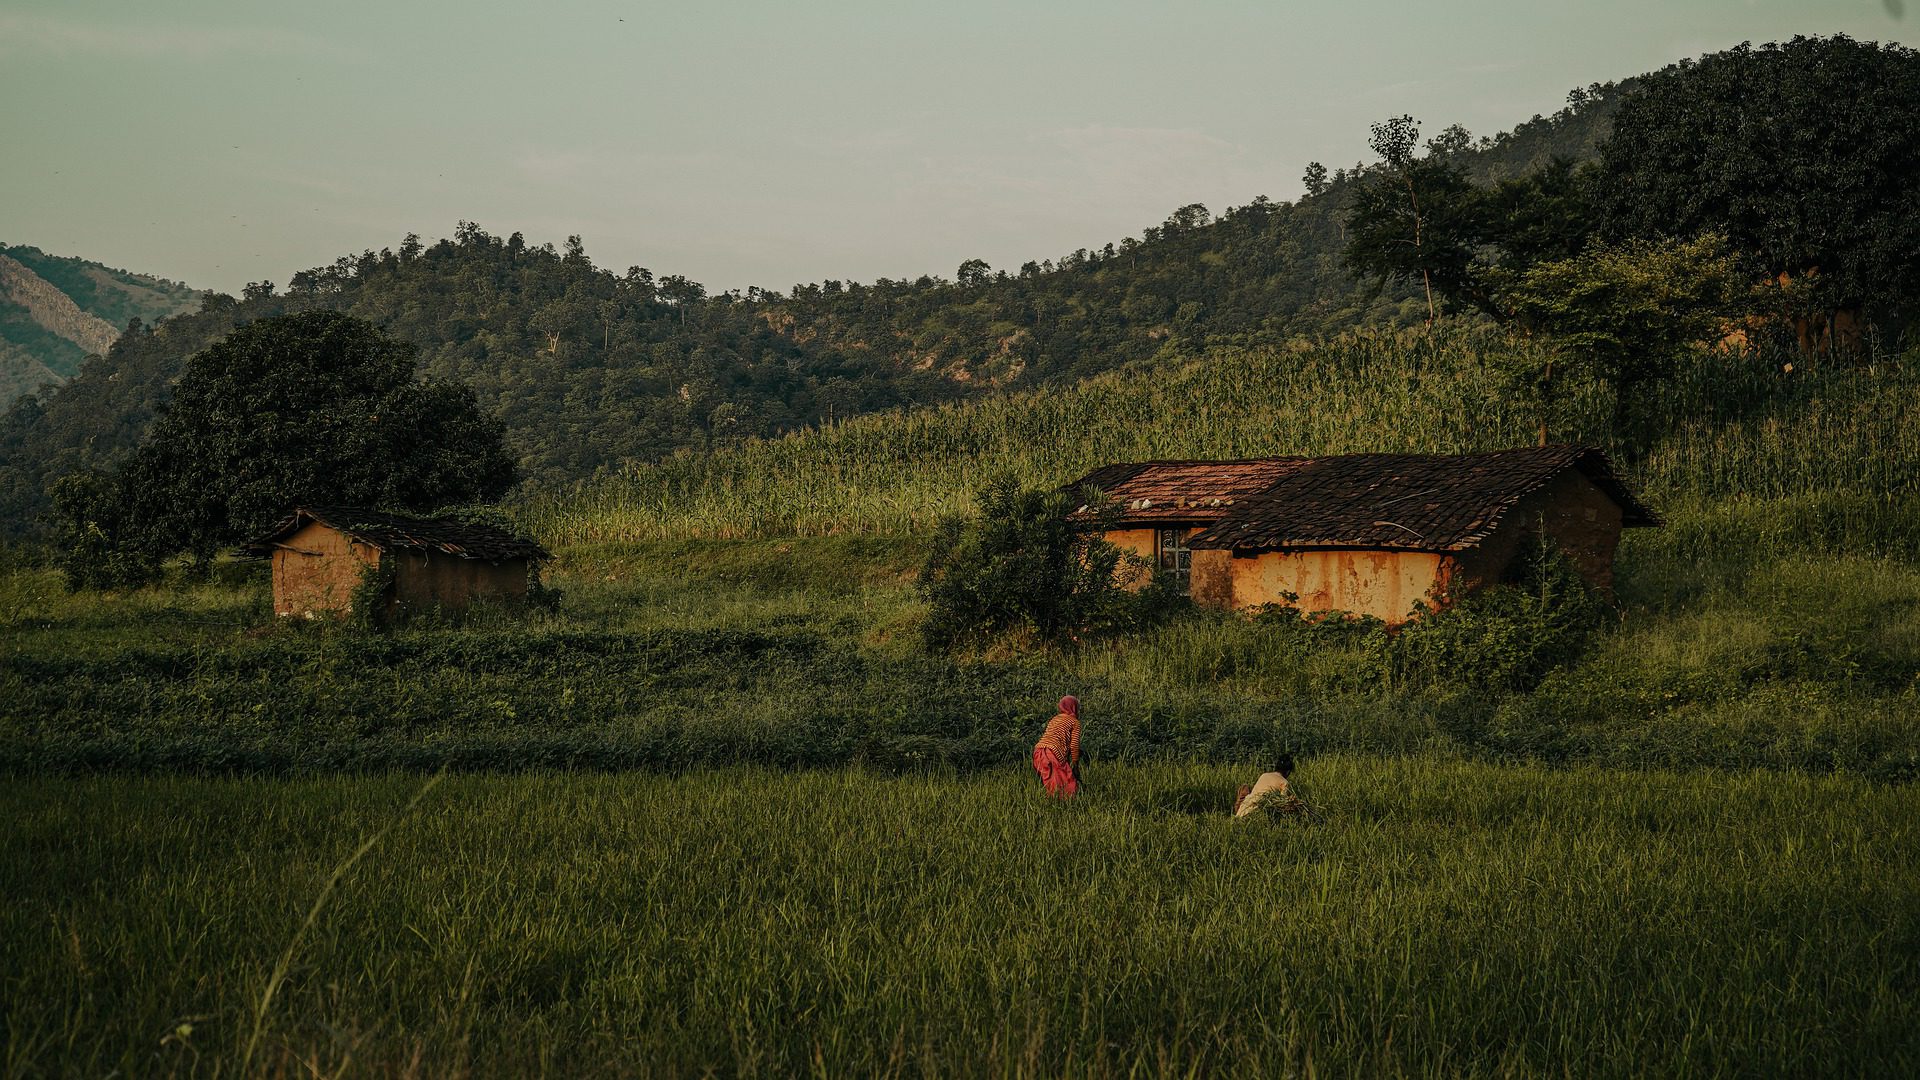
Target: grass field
{"points": [[802, 653], [1436, 917], [719, 814]]}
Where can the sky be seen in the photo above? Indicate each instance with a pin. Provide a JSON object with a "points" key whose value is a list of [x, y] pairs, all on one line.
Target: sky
{"points": [[220, 142]]}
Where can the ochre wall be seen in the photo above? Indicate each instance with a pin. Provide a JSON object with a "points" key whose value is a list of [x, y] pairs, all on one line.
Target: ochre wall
{"points": [[1135, 542], [316, 570], [1388, 585], [1581, 518], [424, 580], [1212, 582], [1384, 584]]}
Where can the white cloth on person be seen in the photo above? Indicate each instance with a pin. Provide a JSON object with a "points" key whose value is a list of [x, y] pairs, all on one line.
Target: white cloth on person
{"points": [[1270, 785]]}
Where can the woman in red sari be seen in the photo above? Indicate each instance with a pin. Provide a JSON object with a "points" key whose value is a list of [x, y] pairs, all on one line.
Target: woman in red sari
{"points": [[1056, 757]]}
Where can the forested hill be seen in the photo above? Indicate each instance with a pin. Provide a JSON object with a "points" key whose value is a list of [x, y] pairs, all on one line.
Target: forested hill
{"points": [[590, 368], [1261, 273], [55, 311]]}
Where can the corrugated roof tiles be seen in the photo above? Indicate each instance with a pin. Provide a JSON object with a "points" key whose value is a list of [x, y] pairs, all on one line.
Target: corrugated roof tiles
{"points": [[392, 532], [1411, 502], [1195, 492]]}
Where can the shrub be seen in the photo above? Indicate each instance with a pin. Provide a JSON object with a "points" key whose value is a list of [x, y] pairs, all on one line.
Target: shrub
{"points": [[89, 506], [370, 605], [1506, 636], [1023, 563]]}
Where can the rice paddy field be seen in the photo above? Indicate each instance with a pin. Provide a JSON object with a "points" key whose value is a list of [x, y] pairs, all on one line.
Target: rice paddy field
{"points": [[719, 814], [1431, 918]]}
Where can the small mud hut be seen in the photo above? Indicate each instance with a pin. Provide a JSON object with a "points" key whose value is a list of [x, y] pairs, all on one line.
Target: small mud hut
{"points": [[325, 559], [1159, 505], [1383, 535]]}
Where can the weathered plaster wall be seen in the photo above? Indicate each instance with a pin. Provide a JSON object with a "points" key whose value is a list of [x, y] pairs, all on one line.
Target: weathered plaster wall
{"points": [[1580, 517], [424, 580], [316, 570], [1212, 582], [1388, 585], [1138, 542]]}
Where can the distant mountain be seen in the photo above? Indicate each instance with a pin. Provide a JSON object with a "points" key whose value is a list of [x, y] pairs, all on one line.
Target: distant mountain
{"points": [[55, 311]]}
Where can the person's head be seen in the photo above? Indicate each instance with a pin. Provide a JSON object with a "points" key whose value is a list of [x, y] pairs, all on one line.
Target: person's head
{"points": [[1070, 705], [1284, 765]]}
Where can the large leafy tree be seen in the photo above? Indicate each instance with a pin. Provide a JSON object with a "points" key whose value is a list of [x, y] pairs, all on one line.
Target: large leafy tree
{"points": [[1804, 155], [1416, 217], [1523, 253], [316, 408], [1622, 314]]}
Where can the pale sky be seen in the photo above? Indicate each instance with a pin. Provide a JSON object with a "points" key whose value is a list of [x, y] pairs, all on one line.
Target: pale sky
{"points": [[748, 143]]}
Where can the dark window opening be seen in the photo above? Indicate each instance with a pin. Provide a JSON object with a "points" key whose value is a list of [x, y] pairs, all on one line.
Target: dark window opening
{"points": [[1172, 557]]}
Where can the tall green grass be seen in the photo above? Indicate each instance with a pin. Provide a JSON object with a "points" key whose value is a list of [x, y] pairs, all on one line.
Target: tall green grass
{"points": [[1434, 918], [1726, 426], [803, 652]]}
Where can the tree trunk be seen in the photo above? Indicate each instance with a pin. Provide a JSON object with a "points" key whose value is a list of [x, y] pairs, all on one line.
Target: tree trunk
{"points": [[1546, 401]]}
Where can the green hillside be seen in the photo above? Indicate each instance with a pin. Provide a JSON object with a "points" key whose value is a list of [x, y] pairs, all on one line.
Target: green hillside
{"points": [[1771, 620], [55, 311], [592, 370], [114, 295], [1728, 428]]}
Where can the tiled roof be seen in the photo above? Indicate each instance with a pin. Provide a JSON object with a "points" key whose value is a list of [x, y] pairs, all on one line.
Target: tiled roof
{"points": [[1409, 502], [391, 532], [1199, 492]]}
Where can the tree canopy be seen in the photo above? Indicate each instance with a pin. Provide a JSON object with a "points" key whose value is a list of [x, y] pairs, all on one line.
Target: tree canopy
{"points": [[1628, 314], [1804, 155], [1523, 252], [316, 408]]}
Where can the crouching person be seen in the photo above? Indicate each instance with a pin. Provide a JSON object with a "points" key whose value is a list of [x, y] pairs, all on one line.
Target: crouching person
{"points": [[1272, 788], [1056, 757]]}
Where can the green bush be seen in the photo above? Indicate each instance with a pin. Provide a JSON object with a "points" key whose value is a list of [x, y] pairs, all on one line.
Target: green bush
{"points": [[91, 510], [1507, 636], [1024, 564]]}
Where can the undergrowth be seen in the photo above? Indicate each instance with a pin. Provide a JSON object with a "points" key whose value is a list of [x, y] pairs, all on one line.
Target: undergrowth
{"points": [[805, 653]]}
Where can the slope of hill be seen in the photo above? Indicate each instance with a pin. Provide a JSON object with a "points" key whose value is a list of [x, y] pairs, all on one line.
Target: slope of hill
{"points": [[593, 370], [1727, 432], [113, 295], [1776, 612], [1262, 273], [56, 311], [44, 335]]}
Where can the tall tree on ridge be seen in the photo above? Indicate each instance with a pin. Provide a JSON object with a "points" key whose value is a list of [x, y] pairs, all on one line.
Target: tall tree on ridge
{"points": [[1805, 155]]}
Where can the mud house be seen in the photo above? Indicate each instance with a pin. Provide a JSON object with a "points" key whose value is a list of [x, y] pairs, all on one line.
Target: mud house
{"points": [[1373, 534], [322, 555], [1158, 505]]}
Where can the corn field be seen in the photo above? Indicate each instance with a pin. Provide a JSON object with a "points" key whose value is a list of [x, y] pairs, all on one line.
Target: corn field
{"points": [[1725, 426]]}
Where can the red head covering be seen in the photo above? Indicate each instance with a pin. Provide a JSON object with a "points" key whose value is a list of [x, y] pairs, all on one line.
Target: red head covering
{"points": [[1070, 705]]}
